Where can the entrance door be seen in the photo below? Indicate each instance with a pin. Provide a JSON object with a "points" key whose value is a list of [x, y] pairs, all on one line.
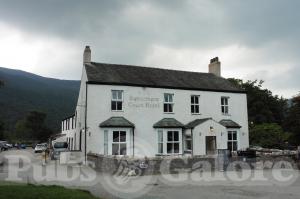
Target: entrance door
{"points": [[211, 145]]}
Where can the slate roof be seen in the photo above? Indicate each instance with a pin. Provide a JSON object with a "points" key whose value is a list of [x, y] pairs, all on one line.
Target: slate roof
{"points": [[229, 124], [117, 122], [196, 122], [168, 123], [115, 74]]}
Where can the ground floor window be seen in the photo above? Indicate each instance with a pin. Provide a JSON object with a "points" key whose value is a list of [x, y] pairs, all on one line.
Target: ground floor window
{"points": [[160, 142], [188, 142], [232, 140], [119, 145], [173, 142]]}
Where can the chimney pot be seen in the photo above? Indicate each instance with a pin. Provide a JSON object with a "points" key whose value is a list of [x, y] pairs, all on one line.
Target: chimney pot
{"points": [[87, 55], [215, 66]]}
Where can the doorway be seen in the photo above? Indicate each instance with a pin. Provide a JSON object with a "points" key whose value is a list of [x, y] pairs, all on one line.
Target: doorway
{"points": [[211, 145]]}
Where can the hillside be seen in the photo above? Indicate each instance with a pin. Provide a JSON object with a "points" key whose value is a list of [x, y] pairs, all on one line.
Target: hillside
{"points": [[23, 92]]}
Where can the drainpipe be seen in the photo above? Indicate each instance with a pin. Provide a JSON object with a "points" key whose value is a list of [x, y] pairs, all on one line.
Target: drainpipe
{"points": [[192, 136], [86, 91], [133, 141]]}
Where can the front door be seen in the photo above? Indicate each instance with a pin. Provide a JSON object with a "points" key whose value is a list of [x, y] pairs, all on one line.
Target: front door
{"points": [[211, 145]]}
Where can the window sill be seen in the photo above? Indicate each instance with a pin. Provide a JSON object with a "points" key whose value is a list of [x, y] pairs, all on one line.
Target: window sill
{"points": [[117, 111], [169, 113], [224, 114], [196, 113]]}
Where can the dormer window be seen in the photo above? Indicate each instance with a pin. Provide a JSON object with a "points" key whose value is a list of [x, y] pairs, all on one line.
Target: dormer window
{"points": [[116, 100]]}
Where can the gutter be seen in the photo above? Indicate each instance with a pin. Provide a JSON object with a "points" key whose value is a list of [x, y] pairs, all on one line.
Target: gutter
{"points": [[86, 92]]}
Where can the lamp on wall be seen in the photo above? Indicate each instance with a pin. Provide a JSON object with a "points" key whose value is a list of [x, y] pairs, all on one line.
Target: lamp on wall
{"points": [[211, 129], [199, 133]]}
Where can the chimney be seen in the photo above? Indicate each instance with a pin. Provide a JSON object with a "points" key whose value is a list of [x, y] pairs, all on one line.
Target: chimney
{"points": [[87, 55], [215, 67]]}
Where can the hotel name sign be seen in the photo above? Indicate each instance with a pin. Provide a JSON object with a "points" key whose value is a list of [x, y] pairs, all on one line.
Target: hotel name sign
{"points": [[143, 102]]}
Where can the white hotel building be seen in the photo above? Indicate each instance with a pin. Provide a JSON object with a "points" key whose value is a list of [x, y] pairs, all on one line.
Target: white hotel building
{"points": [[141, 111]]}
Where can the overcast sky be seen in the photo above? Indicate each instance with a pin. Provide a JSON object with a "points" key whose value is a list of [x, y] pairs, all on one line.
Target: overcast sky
{"points": [[254, 39]]}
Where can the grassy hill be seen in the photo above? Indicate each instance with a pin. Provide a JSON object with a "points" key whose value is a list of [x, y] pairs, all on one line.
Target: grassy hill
{"points": [[23, 92]]}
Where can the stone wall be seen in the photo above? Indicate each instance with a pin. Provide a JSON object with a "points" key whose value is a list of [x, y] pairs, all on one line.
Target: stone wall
{"points": [[159, 165]]}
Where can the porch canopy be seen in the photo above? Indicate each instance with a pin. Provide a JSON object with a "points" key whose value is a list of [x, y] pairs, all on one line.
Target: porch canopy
{"points": [[230, 124], [168, 123], [117, 122]]}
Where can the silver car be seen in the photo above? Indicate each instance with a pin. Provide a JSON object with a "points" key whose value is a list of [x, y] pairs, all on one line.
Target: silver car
{"points": [[57, 148]]}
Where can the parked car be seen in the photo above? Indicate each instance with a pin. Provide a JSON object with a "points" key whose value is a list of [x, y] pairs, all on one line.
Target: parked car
{"points": [[57, 148], [22, 146], [4, 146], [39, 148]]}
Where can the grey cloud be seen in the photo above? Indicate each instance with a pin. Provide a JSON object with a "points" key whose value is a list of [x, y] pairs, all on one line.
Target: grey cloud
{"points": [[122, 32]]}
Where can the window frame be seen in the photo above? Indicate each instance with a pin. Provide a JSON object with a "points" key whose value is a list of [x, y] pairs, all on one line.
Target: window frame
{"points": [[188, 138], [119, 142], [168, 102], [193, 104], [160, 142], [225, 105], [117, 100], [231, 132]]}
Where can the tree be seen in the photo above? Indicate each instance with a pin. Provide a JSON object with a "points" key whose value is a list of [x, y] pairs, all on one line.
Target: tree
{"points": [[292, 121], [268, 135], [33, 127], [263, 107]]}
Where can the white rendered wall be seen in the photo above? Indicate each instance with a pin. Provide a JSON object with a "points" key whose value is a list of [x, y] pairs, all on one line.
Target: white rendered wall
{"points": [[144, 112]]}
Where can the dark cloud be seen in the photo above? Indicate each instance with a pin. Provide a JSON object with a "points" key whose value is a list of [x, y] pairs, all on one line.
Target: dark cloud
{"points": [[125, 31]]}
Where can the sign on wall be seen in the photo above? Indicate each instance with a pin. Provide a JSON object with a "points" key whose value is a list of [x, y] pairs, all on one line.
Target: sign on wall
{"points": [[143, 102]]}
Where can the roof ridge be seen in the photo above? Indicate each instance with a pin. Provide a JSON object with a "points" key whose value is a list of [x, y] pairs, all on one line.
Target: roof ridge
{"points": [[151, 67]]}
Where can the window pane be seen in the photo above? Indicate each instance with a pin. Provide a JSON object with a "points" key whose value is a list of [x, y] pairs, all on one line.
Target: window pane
{"points": [[223, 109], [176, 147], [170, 98], [122, 136], [225, 101], [113, 105], [229, 135], [176, 136], [196, 99], [160, 136], [234, 135], [234, 147], [226, 109], [119, 95], [170, 135], [114, 95], [123, 150], [171, 108], [222, 101], [197, 109], [165, 107], [160, 148], [229, 146], [116, 136], [166, 98], [169, 148], [188, 144], [119, 106], [192, 100], [115, 149], [192, 108]]}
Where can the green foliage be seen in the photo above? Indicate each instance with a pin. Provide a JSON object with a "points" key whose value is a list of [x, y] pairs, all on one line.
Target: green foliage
{"points": [[24, 92], [292, 121], [263, 107], [268, 135], [33, 127], [41, 192]]}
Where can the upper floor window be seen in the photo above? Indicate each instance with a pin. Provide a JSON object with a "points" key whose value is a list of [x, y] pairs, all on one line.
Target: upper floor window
{"points": [[117, 100], [224, 105], [195, 104], [168, 103]]}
